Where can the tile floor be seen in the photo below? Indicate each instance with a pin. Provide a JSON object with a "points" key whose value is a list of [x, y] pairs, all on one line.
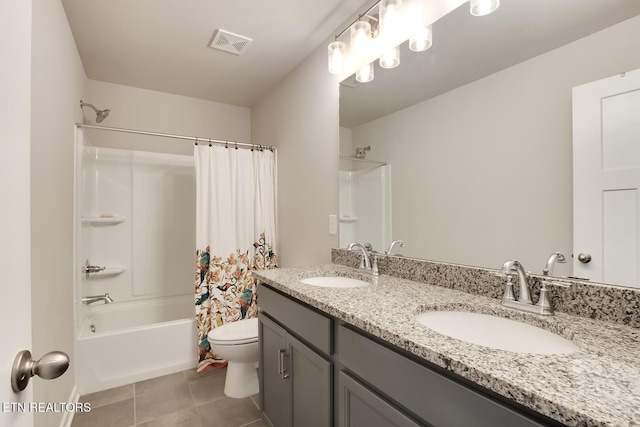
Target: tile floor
{"points": [[184, 399]]}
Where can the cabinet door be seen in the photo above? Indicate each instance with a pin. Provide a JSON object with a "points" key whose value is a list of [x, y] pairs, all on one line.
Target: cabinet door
{"points": [[274, 392], [360, 407], [310, 386]]}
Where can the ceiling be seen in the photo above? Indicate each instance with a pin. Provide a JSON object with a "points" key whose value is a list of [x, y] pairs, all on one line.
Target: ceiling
{"points": [[162, 45], [467, 48]]}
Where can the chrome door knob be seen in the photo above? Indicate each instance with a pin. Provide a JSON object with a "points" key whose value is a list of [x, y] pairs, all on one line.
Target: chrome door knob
{"points": [[48, 367], [584, 257]]}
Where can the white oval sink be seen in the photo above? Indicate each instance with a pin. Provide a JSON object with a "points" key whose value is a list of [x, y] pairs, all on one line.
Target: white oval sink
{"points": [[496, 332], [334, 282]]}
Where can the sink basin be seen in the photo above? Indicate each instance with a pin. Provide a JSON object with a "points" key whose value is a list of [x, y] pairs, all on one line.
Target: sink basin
{"points": [[496, 332], [334, 282]]}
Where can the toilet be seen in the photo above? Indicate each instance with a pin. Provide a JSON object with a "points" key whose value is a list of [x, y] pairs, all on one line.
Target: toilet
{"points": [[237, 343]]}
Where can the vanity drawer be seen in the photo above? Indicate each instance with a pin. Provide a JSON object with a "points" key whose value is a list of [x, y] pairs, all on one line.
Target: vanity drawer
{"points": [[432, 397], [311, 326]]}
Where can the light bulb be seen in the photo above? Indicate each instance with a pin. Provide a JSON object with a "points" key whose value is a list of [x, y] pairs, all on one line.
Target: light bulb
{"points": [[390, 22], [365, 74], [360, 38], [336, 57], [483, 7], [391, 58], [422, 40]]}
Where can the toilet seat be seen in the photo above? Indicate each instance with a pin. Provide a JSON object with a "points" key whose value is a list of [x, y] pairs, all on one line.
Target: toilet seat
{"points": [[235, 333]]}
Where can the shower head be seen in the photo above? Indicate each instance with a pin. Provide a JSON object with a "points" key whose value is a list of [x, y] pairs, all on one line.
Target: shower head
{"points": [[100, 114]]}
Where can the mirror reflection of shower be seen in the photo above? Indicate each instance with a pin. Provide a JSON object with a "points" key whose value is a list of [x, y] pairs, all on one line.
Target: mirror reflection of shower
{"points": [[365, 200], [361, 151], [100, 114]]}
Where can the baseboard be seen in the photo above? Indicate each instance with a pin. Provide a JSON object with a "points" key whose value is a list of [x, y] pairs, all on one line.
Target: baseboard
{"points": [[67, 417]]}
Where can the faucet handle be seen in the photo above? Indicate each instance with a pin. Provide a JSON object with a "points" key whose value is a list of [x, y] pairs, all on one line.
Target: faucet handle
{"points": [[374, 266], [508, 289], [544, 302]]}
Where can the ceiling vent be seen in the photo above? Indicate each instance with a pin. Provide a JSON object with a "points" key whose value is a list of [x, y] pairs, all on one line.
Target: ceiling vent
{"points": [[229, 42]]}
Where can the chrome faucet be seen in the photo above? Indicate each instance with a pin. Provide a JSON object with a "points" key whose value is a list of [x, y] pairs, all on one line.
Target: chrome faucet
{"points": [[366, 265], [524, 303], [524, 293], [90, 300], [555, 257], [395, 242]]}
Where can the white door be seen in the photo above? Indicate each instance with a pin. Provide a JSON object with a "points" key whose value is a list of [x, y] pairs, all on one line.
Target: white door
{"points": [[15, 281], [606, 179]]}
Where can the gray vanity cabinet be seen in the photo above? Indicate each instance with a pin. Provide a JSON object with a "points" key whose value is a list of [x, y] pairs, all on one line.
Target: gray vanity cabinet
{"points": [[308, 359], [360, 407], [432, 397], [295, 378]]}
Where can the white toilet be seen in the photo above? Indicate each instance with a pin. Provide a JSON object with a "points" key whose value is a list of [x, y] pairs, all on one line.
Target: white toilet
{"points": [[237, 343]]}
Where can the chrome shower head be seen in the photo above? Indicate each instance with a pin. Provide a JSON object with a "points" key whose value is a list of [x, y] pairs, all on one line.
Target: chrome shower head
{"points": [[100, 114]]}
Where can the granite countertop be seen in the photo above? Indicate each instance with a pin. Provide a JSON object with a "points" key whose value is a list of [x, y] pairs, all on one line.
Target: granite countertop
{"points": [[596, 386]]}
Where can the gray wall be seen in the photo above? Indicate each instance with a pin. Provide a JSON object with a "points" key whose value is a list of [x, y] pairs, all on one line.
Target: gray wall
{"points": [[483, 173]]}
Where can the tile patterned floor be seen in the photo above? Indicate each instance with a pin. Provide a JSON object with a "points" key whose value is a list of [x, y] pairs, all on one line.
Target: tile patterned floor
{"points": [[184, 399]]}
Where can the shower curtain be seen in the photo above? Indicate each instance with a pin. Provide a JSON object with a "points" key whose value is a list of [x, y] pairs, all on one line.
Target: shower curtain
{"points": [[235, 235]]}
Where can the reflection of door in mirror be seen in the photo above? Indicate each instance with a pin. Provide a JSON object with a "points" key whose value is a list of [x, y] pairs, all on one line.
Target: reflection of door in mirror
{"points": [[606, 157]]}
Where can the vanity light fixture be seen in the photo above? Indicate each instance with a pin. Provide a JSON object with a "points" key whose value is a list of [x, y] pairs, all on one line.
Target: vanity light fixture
{"points": [[378, 34], [422, 40], [483, 7], [390, 24], [361, 37], [337, 52], [365, 74]]}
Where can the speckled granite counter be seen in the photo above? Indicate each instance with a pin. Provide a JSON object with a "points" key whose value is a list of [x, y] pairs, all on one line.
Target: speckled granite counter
{"points": [[597, 386]]}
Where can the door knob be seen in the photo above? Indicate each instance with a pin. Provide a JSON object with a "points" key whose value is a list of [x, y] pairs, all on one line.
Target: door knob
{"points": [[584, 257], [48, 367]]}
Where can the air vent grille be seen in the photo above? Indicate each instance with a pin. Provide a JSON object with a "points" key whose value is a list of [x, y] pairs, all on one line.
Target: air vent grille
{"points": [[230, 42]]}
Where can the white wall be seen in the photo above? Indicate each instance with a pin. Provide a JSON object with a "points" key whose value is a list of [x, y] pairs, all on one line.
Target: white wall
{"points": [[483, 173], [300, 117], [57, 81], [15, 104], [142, 109]]}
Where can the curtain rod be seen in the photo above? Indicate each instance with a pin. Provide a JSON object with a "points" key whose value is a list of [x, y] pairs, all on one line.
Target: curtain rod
{"points": [[190, 138]]}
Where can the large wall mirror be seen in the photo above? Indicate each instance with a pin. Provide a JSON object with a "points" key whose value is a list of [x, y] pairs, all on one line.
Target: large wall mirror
{"points": [[478, 129]]}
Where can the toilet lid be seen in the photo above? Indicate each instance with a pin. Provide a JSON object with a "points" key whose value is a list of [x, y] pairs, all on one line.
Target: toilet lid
{"points": [[239, 332]]}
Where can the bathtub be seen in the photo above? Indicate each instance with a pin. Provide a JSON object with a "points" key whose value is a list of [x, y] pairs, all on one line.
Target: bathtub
{"points": [[122, 343]]}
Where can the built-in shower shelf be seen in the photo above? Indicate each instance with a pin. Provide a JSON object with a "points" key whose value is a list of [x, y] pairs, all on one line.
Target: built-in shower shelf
{"points": [[348, 219], [101, 220], [107, 272]]}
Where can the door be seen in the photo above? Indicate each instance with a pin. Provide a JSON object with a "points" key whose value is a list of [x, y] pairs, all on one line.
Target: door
{"points": [[310, 376], [274, 393], [360, 407], [606, 178], [15, 123]]}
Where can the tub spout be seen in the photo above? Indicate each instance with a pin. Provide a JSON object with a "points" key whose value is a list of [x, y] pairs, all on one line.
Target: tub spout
{"points": [[91, 299]]}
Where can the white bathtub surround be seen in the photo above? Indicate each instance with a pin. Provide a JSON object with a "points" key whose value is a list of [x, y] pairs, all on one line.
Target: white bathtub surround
{"points": [[235, 235], [134, 215]]}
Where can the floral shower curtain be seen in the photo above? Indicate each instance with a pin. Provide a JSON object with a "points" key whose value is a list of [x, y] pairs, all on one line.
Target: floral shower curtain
{"points": [[235, 235]]}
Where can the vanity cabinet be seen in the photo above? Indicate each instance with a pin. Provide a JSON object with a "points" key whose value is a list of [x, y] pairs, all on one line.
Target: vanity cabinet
{"points": [[295, 371], [359, 407], [432, 398], [308, 359]]}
